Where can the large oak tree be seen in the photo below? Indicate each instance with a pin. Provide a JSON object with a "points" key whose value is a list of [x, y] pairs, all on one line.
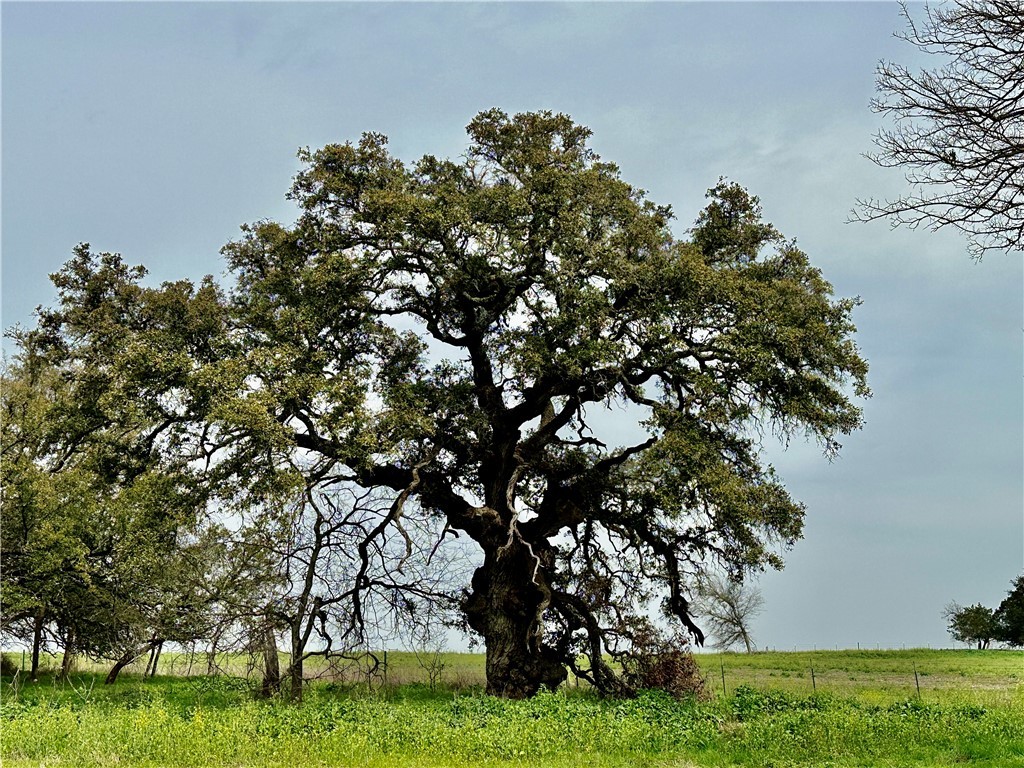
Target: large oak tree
{"points": [[453, 331]]}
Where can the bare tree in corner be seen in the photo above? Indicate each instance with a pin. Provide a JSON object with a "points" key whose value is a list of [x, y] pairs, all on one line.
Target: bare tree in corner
{"points": [[958, 130]]}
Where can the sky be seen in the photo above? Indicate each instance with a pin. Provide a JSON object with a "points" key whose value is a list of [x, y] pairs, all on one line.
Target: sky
{"points": [[157, 129]]}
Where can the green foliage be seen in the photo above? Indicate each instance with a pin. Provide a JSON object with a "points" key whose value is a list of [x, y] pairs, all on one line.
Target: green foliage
{"points": [[8, 666], [170, 722], [973, 624], [980, 625], [1009, 616], [99, 540]]}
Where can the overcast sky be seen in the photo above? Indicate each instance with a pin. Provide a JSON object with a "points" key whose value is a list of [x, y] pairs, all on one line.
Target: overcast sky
{"points": [[155, 130]]}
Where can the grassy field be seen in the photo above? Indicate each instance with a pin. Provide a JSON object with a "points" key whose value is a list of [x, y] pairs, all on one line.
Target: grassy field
{"points": [[862, 709]]}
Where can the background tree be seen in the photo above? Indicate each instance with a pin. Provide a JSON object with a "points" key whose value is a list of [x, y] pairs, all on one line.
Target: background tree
{"points": [[98, 563], [170, 592], [445, 332], [101, 505], [39, 554], [974, 624], [331, 581], [959, 129], [1009, 616], [728, 607]]}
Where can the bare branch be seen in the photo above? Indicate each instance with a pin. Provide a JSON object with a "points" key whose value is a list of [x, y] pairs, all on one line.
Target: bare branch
{"points": [[958, 130]]}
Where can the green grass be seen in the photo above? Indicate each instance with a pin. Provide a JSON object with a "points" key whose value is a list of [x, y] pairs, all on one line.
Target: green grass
{"points": [[878, 721], [875, 676], [878, 676]]}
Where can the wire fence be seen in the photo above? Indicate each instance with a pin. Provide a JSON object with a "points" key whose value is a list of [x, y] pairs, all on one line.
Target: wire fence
{"points": [[899, 670]]}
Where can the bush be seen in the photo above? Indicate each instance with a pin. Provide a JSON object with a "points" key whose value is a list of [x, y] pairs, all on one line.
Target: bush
{"points": [[8, 666], [664, 665]]}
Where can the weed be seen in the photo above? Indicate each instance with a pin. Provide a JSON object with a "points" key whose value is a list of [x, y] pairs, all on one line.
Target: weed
{"points": [[216, 722]]}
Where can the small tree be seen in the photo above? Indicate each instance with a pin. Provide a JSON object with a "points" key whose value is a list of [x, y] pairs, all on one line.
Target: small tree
{"points": [[341, 572], [974, 624], [1009, 616], [958, 129], [728, 607]]}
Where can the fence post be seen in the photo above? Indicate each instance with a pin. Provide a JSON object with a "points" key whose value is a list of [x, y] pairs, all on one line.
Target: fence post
{"points": [[723, 679], [814, 685], [917, 683]]}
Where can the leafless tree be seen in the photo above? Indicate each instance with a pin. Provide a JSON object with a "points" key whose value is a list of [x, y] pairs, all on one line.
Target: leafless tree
{"points": [[349, 566], [959, 129], [424, 635], [727, 608]]}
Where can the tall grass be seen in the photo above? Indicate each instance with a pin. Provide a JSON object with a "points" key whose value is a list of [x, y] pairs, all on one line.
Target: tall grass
{"points": [[215, 722], [865, 711]]}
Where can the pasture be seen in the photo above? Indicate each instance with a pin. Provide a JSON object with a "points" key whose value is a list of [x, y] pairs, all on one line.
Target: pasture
{"points": [[862, 708]]}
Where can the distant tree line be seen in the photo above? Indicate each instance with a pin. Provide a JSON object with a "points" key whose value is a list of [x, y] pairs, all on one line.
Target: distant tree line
{"points": [[979, 625]]}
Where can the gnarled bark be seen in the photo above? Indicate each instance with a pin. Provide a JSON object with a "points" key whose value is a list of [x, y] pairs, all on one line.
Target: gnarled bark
{"points": [[507, 604]]}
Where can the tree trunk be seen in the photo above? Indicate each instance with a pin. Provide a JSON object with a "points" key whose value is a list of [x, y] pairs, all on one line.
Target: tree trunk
{"points": [[295, 673], [68, 662], [156, 657], [295, 668], [271, 664], [37, 642], [127, 659], [747, 642], [510, 595], [211, 653]]}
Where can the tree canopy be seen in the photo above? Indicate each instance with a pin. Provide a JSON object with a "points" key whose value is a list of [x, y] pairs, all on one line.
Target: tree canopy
{"points": [[451, 333], [98, 558], [981, 625], [973, 624], [959, 129], [1009, 616]]}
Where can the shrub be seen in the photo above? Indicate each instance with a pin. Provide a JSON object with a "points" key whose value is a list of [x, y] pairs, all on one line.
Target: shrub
{"points": [[667, 665], [8, 666]]}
